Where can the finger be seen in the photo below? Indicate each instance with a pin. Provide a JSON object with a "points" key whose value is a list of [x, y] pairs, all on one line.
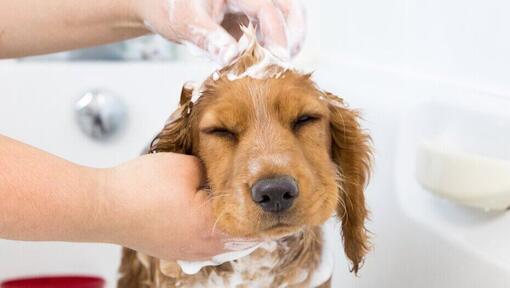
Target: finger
{"points": [[208, 230], [197, 173], [295, 16], [201, 175], [210, 37], [191, 168], [273, 29]]}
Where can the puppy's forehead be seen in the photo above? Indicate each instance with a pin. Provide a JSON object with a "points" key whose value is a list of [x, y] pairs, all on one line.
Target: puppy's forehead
{"points": [[248, 94], [258, 80]]}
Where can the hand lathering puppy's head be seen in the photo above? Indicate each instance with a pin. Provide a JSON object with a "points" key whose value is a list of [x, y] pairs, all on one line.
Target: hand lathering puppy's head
{"points": [[279, 153]]}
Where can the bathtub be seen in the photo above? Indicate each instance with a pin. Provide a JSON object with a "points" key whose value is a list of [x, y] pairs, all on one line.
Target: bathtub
{"points": [[419, 240]]}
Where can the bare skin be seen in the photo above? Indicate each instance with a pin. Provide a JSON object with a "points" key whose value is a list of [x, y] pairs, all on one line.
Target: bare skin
{"points": [[151, 204], [31, 27]]}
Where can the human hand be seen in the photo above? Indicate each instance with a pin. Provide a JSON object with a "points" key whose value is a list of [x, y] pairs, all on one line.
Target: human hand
{"points": [[155, 207], [280, 24]]}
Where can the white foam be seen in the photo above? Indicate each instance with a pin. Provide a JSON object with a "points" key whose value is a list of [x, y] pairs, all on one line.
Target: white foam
{"points": [[324, 271], [197, 92], [261, 69], [216, 76], [192, 267], [218, 45], [243, 265]]}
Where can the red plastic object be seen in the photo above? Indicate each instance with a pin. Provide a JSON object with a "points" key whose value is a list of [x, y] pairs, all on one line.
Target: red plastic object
{"points": [[55, 282]]}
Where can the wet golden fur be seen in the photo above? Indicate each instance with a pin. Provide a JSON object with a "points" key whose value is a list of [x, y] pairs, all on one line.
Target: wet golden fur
{"points": [[248, 129]]}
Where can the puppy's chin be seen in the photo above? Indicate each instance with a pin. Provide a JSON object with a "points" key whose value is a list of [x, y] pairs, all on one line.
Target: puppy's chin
{"points": [[271, 230], [279, 231], [276, 232]]}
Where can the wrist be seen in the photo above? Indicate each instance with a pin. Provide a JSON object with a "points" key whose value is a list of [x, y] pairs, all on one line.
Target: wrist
{"points": [[130, 17], [116, 210], [106, 214]]}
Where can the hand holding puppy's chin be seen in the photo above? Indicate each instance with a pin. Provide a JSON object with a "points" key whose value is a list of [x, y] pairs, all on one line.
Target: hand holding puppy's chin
{"points": [[152, 204]]}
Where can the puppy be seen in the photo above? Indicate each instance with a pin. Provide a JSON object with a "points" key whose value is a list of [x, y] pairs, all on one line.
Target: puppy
{"points": [[282, 157]]}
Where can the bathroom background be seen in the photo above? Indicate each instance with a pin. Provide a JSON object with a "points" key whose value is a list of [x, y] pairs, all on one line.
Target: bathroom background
{"points": [[435, 70]]}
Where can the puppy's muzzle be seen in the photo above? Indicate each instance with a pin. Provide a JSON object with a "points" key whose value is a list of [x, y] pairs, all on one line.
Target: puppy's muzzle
{"points": [[276, 194]]}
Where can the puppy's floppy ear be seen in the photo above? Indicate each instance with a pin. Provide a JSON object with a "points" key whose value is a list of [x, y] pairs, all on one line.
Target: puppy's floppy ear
{"points": [[350, 150], [176, 136]]}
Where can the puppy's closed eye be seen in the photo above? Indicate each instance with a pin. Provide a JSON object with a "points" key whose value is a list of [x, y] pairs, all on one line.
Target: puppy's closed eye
{"points": [[220, 132], [303, 120]]}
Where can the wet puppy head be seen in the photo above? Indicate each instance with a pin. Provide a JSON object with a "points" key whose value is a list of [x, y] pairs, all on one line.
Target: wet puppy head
{"points": [[280, 154]]}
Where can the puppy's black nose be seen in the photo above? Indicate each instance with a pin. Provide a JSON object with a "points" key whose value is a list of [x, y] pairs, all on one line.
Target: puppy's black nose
{"points": [[275, 194]]}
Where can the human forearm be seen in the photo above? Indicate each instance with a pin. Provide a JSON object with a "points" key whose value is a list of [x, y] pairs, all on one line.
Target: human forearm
{"points": [[47, 198], [150, 204], [30, 27]]}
